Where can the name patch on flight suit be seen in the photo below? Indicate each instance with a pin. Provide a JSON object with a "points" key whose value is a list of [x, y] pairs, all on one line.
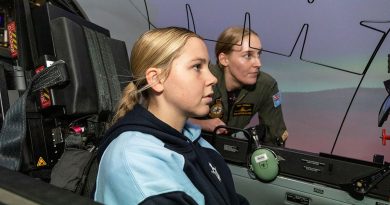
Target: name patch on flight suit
{"points": [[243, 109]]}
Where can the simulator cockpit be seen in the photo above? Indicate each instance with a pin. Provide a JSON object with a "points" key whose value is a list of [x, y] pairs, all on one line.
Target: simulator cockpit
{"points": [[60, 80]]}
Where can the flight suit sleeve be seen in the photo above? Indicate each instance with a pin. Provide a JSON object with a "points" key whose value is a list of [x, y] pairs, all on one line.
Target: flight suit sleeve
{"points": [[270, 111]]}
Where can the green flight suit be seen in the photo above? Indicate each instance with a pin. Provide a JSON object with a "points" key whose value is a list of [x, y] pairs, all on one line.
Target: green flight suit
{"points": [[262, 98]]}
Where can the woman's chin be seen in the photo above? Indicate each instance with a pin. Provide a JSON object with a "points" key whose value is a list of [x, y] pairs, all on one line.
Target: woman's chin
{"points": [[250, 82], [201, 112]]}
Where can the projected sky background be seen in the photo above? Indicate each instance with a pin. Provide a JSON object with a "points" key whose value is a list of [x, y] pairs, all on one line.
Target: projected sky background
{"points": [[319, 51]]}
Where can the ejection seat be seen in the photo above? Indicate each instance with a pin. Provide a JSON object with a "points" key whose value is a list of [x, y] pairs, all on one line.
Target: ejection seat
{"points": [[52, 131]]}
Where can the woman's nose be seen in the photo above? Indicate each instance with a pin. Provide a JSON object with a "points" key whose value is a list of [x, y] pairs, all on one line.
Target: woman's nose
{"points": [[257, 61], [211, 79]]}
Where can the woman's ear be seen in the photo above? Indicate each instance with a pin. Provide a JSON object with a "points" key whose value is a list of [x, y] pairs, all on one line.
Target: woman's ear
{"points": [[223, 59], [153, 78]]}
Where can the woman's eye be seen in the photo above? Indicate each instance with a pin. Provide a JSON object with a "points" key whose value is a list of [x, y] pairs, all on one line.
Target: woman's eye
{"points": [[248, 56], [197, 67]]}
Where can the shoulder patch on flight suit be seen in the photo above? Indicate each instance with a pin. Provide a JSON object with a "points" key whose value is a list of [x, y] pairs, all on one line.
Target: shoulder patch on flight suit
{"points": [[243, 109], [216, 110], [277, 98]]}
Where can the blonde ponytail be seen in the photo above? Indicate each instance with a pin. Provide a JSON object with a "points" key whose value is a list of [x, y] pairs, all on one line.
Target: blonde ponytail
{"points": [[127, 102]]}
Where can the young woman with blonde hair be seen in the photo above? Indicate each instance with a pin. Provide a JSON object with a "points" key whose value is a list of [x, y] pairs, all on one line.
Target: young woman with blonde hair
{"points": [[151, 154]]}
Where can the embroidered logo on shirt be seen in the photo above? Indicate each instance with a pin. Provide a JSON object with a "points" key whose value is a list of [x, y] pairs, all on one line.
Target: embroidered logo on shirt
{"points": [[243, 109], [277, 98], [216, 110], [214, 171]]}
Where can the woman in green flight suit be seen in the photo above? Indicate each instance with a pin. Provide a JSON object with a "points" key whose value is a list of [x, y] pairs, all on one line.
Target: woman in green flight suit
{"points": [[242, 89]]}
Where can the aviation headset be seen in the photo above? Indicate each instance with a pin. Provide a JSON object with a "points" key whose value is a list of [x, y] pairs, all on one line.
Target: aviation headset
{"points": [[263, 162]]}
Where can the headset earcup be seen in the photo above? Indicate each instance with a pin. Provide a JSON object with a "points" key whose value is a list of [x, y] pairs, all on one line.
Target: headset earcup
{"points": [[265, 165]]}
